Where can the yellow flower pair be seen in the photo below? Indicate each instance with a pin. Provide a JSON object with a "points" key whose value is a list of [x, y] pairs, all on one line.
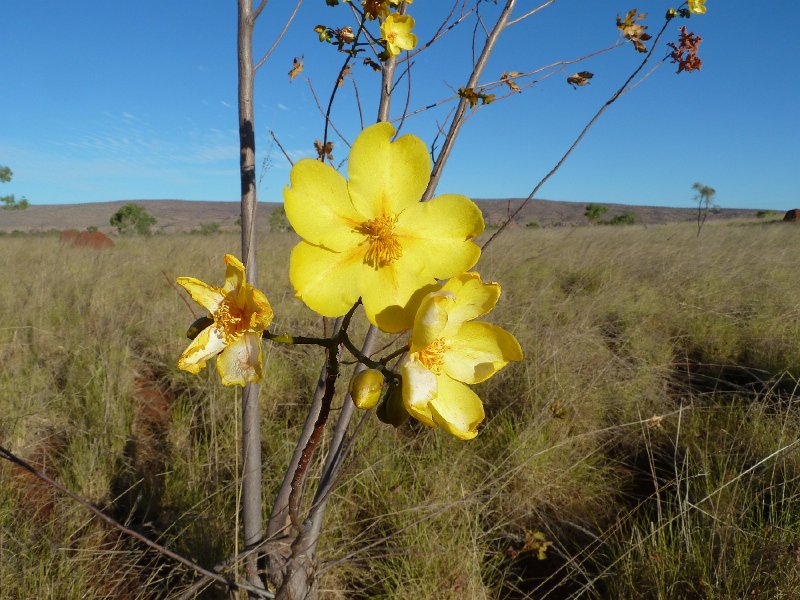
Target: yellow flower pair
{"points": [[370, 237]]}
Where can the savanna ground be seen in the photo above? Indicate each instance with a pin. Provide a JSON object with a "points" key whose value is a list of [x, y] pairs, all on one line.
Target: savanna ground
{"points": [[651, 434]]}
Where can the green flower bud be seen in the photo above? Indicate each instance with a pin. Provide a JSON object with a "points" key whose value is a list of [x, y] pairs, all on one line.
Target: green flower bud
{"points": [[392, 411], [198, 326], [365, 388]]}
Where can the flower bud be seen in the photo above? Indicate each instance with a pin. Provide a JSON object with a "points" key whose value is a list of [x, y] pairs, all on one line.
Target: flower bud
{"points": [[392, 411], [365, 388]]}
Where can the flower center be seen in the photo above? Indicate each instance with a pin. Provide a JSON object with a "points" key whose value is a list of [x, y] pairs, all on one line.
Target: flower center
{"points": [[383, 247], [229, 320], [432, 355]]}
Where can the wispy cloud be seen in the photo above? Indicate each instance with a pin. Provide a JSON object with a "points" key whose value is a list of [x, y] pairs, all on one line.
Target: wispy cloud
{"points": [[225, 104]]}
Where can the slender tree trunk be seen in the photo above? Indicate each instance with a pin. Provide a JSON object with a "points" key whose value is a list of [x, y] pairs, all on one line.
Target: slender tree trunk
{"points": [[251, 432]]}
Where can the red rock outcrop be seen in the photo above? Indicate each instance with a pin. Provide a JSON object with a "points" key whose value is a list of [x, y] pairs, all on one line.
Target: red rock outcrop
{"points": [[86, 239]]}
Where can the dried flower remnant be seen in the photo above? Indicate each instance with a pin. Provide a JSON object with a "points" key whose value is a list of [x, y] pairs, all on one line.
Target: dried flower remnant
{"points": [[297, 68], [324, 151], [633, 31], [580, 79], [508, 79], [685, 52], [473, 97], [375, 9]]}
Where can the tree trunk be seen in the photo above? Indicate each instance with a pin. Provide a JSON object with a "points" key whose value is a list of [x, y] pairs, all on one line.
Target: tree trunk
{"points": [[251, 421]]}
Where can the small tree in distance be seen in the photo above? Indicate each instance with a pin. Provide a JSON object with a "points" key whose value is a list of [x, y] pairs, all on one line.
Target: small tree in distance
{"points": [[705, 203], [594, 212], [131, 219], [10, 202]]}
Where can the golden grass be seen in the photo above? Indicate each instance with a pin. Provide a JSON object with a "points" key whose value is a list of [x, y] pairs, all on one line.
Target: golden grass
{"points": [[619, 325]]}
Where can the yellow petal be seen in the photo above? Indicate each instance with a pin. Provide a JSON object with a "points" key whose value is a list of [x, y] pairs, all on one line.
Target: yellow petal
{"points": [[240, 363], [234, 273], [318, 206], [457, 409], [391, 293], [204, 346], [387, 177], [478, 351], [473, 298], [431, 319], [207, 296], [419, 389], [258, 307], [439, 233], [326, 281]]}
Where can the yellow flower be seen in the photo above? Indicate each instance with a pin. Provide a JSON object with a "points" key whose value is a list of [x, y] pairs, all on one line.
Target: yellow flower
{"points": [[241, 313], [396, 30], [448, 350], [698, 7], [374, 9], [370, 237]]}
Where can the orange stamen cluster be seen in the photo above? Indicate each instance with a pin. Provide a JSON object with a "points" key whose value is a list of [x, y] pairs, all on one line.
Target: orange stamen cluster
{"points": [[432, 356], [229, 321], [383, 247]]}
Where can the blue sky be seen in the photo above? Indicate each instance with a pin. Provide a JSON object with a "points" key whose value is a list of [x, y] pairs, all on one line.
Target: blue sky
{"points": [[110, 101]]}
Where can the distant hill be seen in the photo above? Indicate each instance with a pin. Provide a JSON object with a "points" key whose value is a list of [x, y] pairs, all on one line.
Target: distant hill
{"points": [[185, 215]]}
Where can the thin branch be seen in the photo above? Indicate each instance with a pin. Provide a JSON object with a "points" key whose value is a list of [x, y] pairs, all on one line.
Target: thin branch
{"points": [[577, 141], [280, 36], [286, 154], [326, 116], [257, 11], [228, 583], [358, 102], [332, 372], [179, 291], [440, 32], [529, 13], [455, 126]]}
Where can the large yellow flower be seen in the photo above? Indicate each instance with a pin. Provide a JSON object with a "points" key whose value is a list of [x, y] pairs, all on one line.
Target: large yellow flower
{"points": [[370, 237], [396, 30], [241, 313], [448, 350], [697, 6]]}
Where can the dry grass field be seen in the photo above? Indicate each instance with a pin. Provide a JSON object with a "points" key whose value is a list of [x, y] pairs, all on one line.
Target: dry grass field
{"points": [[651, 434]]}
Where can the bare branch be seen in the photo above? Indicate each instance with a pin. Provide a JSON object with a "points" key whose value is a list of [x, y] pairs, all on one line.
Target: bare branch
{"points": [[282, 33], [286, 154], [326, 116], [228, 583], [358, 103], [529, 13], [257, 11], [440, 32], [577, 141], [458, 118]]}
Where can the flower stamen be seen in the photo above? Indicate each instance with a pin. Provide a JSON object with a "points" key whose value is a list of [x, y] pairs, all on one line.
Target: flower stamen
{"points": [[383, 247], [432, 356], [229, 321]]}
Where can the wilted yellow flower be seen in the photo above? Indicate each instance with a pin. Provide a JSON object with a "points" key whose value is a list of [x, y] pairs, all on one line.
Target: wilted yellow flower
{"points": [[396, 30], [370, 237], [241, 313], [698, 7], [448, 350]]}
